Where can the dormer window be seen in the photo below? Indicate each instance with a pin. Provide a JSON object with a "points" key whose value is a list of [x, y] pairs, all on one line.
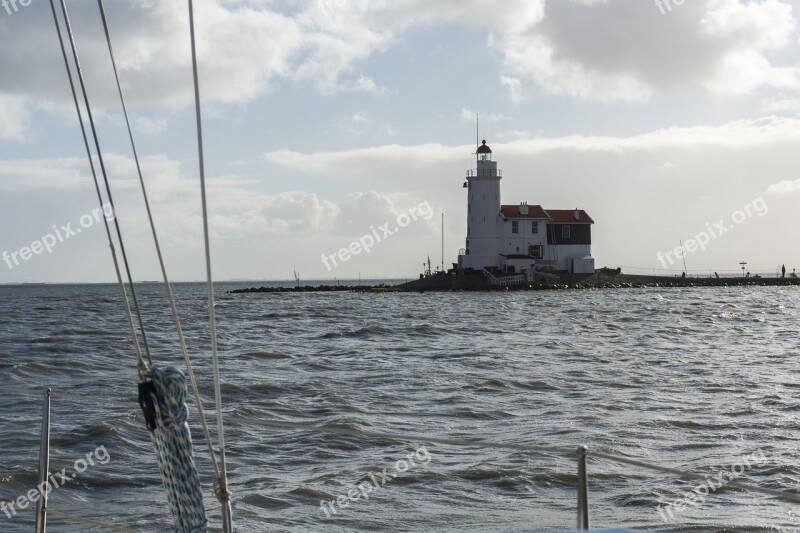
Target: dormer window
{"points": [[515, 226]]}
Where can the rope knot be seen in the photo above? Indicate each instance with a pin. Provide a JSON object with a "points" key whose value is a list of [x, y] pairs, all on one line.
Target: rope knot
{"points": [[170, 384], [221, 491]]}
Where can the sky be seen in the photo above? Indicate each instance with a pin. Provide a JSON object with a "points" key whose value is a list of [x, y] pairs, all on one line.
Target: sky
{"points": [[328, 122]]}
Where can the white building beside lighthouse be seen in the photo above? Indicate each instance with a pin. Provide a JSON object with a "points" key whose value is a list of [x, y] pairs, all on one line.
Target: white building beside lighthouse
{"points": [[510, 239]]}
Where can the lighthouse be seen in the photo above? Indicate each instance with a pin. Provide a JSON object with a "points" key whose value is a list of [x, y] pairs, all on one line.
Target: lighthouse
{"points": [[518, 238], [483, 211]]}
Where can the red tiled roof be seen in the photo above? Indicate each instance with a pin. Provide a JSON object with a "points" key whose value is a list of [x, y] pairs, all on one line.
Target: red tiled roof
{"points": [[512, 211], [565, 216], [559, 216]]}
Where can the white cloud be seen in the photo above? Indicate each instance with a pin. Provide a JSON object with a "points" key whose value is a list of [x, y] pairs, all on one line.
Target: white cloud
{"points": [[150, 125], [14, 118], [368, 85], [362, 123], [358, 124], [31, 174], [784, 188], [580, 49], [614, 50], [742, 134], [514, 87]]}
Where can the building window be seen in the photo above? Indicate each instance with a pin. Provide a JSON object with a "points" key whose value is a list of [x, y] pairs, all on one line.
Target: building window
{"points": [[536, 251], [565, 232], [515, 226], [535, 228]]}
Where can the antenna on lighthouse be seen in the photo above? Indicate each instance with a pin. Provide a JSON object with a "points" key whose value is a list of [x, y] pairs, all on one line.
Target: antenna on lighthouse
{"points": [[477, 136]]}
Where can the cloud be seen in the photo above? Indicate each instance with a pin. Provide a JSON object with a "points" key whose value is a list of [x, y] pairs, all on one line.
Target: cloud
{"points": [[367, 85], [737, 134], [244, 49], [32, 174], [514, 87], [625, 50], [784, 188], [238, 210], [365, 161], [617, 50], [362, 123], [14, 118], [358, 124], [150, 125]]}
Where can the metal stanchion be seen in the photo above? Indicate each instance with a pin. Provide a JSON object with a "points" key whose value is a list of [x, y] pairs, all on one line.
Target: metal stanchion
{"points": [[583, 490], [44, 467]]}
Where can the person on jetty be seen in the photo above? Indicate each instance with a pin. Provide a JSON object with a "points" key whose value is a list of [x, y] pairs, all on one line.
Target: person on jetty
{"points": [[783, 271]]}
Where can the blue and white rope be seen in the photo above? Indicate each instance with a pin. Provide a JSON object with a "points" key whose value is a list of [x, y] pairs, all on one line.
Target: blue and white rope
{"points": [[173, 445]]}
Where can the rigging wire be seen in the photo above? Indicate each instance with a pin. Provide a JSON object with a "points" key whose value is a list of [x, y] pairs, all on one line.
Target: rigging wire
{"points": [[142, 367], [221, 484], [105, 179], [170, 295]]}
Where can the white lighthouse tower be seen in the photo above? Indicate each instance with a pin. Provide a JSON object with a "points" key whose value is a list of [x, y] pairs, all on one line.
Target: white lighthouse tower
{"points": [[483, 213]]}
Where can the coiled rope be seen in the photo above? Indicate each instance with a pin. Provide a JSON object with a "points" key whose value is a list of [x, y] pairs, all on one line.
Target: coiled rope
{"points": [[173, 444]]}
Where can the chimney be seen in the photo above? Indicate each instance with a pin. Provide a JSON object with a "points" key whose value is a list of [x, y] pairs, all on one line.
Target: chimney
{"points": [[577, 214], [523, 209]]}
